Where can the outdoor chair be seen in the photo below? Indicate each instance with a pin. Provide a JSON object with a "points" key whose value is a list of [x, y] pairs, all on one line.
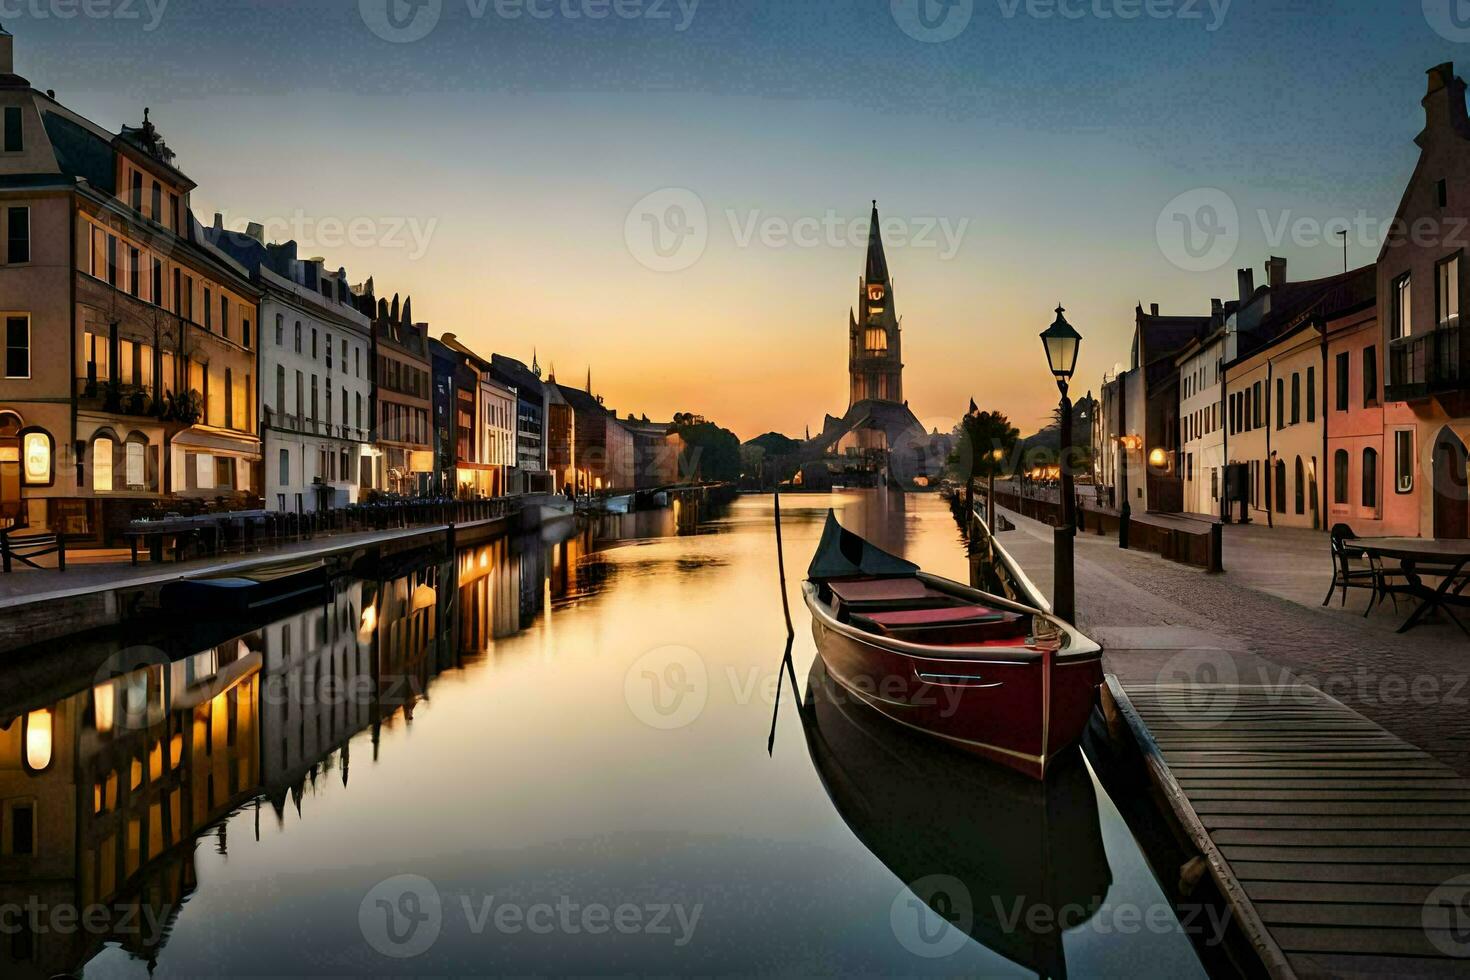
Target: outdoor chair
{"points": [[1350, 569]]}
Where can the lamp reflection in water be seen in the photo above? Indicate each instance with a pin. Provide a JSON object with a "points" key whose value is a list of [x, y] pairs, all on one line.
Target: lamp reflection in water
{"points": [[38, 741]]}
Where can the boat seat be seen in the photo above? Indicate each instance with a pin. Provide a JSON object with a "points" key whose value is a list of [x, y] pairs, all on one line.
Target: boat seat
{"points": [[960, 626]]}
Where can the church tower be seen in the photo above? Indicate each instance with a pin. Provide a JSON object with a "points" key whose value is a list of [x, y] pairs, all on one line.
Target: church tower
{"points": [[875, 353]]}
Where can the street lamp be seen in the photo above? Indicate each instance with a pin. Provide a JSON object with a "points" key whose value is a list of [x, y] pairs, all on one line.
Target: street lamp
{"points": [[1062, 344]]}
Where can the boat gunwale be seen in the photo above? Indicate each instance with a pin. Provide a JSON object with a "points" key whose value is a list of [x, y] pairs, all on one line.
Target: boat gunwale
{"points": [[1079, 647]]}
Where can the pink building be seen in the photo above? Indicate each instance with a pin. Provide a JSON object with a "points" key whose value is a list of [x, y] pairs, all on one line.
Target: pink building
{"points": [[1370, 442]]}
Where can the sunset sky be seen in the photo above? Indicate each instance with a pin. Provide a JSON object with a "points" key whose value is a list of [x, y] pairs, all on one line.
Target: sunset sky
{"points": [[502, 169]]}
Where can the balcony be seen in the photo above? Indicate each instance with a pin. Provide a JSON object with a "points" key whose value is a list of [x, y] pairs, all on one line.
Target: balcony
{"points": [[1428, 364]]}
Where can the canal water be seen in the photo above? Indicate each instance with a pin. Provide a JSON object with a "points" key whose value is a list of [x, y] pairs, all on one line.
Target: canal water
{"points": [[551, 755]]}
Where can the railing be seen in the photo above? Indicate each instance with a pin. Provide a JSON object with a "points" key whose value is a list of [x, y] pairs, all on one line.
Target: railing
{"points": [[1427, 364], [992, 569]]}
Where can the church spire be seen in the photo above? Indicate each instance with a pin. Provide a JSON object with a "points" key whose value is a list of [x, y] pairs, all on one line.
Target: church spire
{"points": [[535, 364], [877, 268]]}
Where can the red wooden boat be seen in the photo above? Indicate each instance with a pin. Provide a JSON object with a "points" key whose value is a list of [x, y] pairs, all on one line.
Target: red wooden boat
{"points": [[996, 678]]}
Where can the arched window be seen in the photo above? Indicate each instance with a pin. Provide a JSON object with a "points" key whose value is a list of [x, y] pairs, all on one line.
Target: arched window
{"points": [[135, 462], [1301, 487], [876, 341], [102, 447], [1340, 477], [1281, 486], [1370, 477]]}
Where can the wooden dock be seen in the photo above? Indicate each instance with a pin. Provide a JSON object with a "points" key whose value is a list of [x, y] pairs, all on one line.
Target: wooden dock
{"points": [[1337, 844]]}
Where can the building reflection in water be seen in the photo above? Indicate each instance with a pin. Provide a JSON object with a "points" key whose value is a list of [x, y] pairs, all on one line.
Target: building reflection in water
{"points": [[106, 792]]}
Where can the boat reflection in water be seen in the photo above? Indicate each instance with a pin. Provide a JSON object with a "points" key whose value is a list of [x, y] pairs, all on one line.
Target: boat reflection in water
{"points": [[1011, 861]]}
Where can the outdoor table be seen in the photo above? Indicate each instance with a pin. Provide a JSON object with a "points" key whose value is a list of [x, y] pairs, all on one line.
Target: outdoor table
{"points": [[153, 532], [1434, 556]]}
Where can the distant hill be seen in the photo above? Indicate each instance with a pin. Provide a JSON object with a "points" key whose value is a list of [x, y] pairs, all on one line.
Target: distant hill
{"points": [[775, 444]]}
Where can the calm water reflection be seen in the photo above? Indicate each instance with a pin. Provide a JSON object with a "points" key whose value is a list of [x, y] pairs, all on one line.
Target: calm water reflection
{"points": [[541, 756]]}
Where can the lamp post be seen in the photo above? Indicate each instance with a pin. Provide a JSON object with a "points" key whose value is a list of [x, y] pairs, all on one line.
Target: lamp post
{"points": [[1062, 343]]}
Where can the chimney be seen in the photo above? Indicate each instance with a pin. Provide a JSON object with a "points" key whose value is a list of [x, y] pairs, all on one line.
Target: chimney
{"points": [[219, 224], [1444, 105], [1217, 310], [1275, 272], [7, 52], [1153, 309], [1246, 279], [256, 231]]}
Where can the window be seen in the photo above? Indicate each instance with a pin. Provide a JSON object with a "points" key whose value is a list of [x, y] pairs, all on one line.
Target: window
{"points": [[17, 347], [229, 398], [1442, 193], [137, 195], [1370, 477], [224, 472], [1256, 406], [1401, 312], [157, 202], [344, 408], [188, 311], [357, 361], [1215, 482], [329, 353], [1311, 394], [285, 469], [1296, 397], [357, 397], [102, 464], [1403, 461], [1281, 486], [136, 465], [298, 336], [280, 330], [1447, 292], [245, 331], [156, 297], [178, 294], [1301, 487], [208, 309], [173, 212], [1340, 477], [300, 394], [111, 261], [315, 414], [135, 273], [14, 143], [1370, 377], [18, 235], [1341, 382], [224, 316], [280, 388], [1280, 403], [22, 828]]}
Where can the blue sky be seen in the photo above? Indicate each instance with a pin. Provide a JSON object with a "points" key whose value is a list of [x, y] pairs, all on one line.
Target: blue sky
{"points": [[1049, 139]]}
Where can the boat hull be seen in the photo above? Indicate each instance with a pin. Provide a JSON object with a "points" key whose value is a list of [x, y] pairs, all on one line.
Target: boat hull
{"points": [[1018, 707]]}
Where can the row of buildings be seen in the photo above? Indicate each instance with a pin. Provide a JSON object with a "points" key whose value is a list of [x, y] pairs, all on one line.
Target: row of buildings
{"points": [[150, 358], [1342, 400]]}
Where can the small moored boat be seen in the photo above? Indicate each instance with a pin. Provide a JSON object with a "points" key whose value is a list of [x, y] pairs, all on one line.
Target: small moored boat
{"points": [[999, 679], [244, 594]]}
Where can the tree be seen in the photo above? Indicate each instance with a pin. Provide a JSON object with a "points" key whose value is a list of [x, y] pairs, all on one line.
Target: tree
{"points": [[987, 440]]}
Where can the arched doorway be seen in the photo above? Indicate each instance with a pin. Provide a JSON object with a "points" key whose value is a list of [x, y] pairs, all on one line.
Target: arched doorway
{"points": [[10, 502], [1451, 487]]}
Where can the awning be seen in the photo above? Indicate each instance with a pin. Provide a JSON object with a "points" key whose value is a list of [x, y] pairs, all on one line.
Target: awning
{"points": [[214, 441]]}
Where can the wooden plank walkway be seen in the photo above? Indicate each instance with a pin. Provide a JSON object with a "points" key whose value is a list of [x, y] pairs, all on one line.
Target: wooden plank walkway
{"points": [[1337, 843]]}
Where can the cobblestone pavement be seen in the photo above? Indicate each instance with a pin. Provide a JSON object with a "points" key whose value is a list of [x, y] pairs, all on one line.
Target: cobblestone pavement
{"points": [[1261, 624]]}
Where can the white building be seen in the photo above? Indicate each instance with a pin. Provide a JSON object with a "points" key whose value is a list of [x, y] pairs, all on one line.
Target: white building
{"points": [[1201, 419], [315, 376]]}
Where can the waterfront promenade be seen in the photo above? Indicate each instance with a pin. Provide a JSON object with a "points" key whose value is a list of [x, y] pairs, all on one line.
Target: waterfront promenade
{"points": [[1262, 623]]}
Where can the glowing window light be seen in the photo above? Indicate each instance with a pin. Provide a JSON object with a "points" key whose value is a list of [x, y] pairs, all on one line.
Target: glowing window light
{"points": [[38, 740], [1157, 458], [103, 705], [37, 453]]}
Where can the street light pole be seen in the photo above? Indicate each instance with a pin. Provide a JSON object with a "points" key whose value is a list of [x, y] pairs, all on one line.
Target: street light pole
{"points": [[1062, 343]]}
